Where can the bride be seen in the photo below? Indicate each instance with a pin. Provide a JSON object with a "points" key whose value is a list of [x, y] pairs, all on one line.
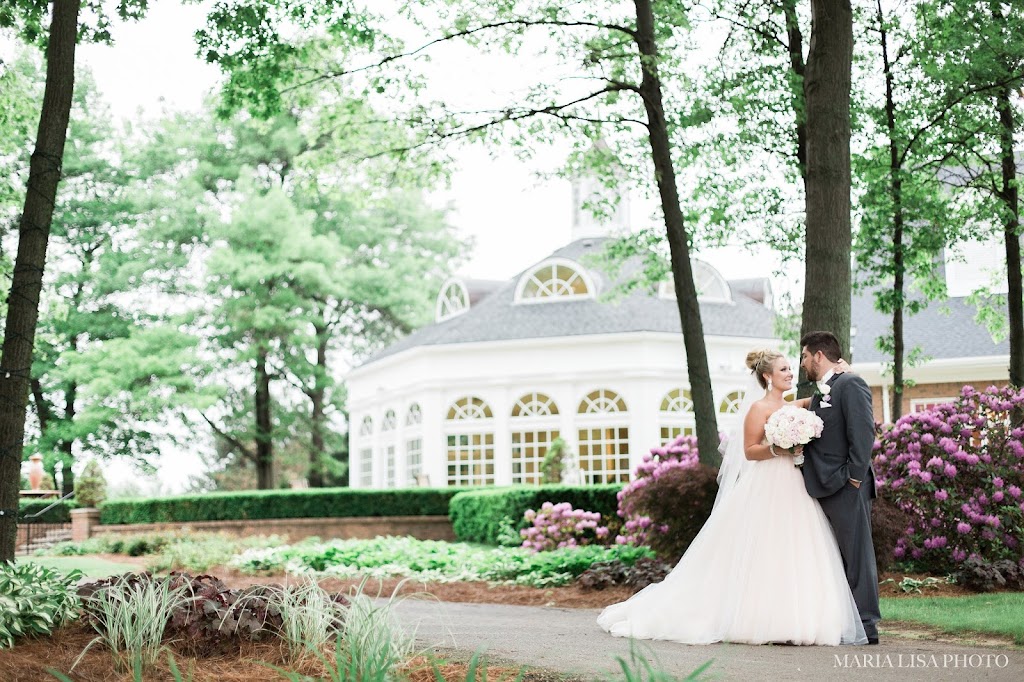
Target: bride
{"points": [[765, 567]]}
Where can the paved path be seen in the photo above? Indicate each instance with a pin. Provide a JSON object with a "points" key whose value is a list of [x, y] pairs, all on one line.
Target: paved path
{"points": [[569, 641]]}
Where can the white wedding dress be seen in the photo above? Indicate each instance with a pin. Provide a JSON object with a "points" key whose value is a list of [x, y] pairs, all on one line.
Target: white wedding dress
{"points": [[764, 568]]}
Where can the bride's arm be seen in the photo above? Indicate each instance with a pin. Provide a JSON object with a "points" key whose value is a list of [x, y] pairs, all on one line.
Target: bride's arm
{"points": [[754, 446]]}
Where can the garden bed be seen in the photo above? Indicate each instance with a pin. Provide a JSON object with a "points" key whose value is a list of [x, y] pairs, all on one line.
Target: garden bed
{"points": [[30, 660]]}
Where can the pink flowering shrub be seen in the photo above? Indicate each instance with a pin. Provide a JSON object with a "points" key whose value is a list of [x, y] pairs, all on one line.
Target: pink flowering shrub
{"points": [[668, 500], [559, 525], [958, 471]]}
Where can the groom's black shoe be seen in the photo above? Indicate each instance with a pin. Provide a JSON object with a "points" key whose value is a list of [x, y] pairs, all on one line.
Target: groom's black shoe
{"points": [[872, 640]]}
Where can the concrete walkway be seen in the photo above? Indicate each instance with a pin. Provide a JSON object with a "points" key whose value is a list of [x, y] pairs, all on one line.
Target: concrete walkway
{"points": [[569, 641]]}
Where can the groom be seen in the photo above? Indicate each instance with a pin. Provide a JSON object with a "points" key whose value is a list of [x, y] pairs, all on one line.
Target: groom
{"points": [[837, 469]]}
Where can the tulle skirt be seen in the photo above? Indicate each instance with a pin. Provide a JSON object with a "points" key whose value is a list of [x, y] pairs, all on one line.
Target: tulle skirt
{"points": [[764, 568]]}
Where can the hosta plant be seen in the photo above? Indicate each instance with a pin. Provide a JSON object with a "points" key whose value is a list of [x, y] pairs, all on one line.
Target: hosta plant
{"points": [[34, 600]]}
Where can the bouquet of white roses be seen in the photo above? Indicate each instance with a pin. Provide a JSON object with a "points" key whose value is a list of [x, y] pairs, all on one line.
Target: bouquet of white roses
{"points": [[791, 426]]}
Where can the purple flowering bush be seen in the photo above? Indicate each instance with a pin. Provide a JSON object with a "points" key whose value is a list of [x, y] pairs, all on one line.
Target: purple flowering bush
{"points": [[559, 525], [958, 471], [668, 500]]}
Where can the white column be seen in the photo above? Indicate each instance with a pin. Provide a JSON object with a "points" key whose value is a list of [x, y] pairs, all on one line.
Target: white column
{"points": [[435, 451], [402, 408], [643, 410], [501, 408]]}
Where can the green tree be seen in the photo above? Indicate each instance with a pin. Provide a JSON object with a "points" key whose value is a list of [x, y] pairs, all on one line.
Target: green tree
{"points": [[34, 229], [976, 60], [321, 258], [621, 57], [907, 216]]}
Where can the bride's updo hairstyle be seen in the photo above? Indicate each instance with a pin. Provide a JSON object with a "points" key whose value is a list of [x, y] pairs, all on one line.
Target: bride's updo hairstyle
{"points": [[760, 363]]}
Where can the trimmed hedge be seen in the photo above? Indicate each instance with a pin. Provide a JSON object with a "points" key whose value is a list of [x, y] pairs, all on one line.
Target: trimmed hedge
{"points": [[59, 514], [279, 504], [477, 514]]}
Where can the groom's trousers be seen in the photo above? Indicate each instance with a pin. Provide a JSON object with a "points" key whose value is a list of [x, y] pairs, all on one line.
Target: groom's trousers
{"points": [[849, 512]]}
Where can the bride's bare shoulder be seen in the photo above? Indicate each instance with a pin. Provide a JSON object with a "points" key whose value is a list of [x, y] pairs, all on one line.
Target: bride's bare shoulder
{"points": [[761, 407]]}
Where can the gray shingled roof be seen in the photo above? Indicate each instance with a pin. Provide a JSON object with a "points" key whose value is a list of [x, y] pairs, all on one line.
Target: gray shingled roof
{"points": [[497, 318], [945, 329]]}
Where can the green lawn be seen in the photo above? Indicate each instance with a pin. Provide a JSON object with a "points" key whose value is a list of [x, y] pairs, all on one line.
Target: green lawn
{"points": [[90, 566], [995, 614]]}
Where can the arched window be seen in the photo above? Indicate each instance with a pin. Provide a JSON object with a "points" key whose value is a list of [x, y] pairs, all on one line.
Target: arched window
{"points": [[603, 432], [469, 408], [676, 415], [730, 404], [452, 300], [366, 453], [534, 405], [534, 427], [469, 437], [602, 401], [555, 279], [710, 284], [388, 448], [414, 416], [366, 428], [413, 445]]}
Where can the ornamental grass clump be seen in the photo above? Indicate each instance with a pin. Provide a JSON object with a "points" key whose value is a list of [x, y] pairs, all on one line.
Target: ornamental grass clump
{"points": [[130, 615], [559, 525], [958, 471]]}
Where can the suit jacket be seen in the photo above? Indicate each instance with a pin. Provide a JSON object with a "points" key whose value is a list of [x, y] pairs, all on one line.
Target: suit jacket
{"points": [[844, 449]]}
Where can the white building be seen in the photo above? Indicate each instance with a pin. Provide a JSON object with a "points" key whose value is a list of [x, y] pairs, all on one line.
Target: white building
{"points": [[507, 367]]}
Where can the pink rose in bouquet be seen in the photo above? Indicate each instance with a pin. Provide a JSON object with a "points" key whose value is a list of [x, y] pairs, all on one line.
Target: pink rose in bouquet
{"points": [[791, 426]]}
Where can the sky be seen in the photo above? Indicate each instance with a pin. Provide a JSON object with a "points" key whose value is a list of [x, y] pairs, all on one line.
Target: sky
{"points": [[513, 217]]}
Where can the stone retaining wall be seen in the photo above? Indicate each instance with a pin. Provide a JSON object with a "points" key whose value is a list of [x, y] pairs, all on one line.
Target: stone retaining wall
{"points": [[293, 530]]}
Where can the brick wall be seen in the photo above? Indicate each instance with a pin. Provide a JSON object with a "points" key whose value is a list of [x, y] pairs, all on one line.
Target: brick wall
{"points": [[925, 392], [293, 530]]}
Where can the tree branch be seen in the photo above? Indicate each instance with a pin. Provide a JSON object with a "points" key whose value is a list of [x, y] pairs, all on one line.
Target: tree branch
{"points": [[246, 452], [465, 33]]}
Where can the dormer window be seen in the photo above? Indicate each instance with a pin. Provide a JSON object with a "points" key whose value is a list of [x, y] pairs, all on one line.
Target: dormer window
{"points": [[556, 279], [711, 286], [453, 300]]}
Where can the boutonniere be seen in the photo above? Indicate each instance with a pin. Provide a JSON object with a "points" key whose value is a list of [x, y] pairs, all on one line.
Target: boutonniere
{"points": [[825, 391]]}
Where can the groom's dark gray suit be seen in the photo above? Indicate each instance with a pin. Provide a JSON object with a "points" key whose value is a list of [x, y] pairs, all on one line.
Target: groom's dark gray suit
{"points": [[844, 452]]}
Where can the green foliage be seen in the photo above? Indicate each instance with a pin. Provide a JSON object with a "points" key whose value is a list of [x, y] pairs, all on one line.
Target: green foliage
{"points": [[34, 600], [130, 616], [432, 561], [477, 516], [553, 465], [61, 513], [91, 486], [279, 504]]}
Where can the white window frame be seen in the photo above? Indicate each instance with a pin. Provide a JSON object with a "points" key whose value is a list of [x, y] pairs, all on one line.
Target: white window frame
{"points": [[676, 415], [702, 272], [471, 420], [922, 404], [552, 264], [535, 422], [446, 307], [609, 418]]}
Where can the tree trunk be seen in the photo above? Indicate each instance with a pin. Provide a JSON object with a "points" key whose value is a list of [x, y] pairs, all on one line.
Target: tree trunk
{"points": [[26, 284], [827, 282], [682, 272], [1010, 197], [795, 46], [317, 426], [896, 195], [264, 435], [67, 447]]}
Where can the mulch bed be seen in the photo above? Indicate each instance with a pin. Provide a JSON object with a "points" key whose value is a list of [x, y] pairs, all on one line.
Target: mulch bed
{"points": [[31, 658]]}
